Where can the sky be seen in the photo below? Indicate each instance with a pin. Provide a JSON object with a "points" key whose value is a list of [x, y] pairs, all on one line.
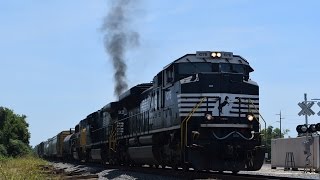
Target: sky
{"points": [[55, 70]]}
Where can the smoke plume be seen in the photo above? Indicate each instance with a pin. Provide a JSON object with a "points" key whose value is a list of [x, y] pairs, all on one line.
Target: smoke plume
{"points": [[119, 38]]}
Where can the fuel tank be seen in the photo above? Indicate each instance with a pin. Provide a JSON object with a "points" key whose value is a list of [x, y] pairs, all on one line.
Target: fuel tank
{"points": [[142, 155]]}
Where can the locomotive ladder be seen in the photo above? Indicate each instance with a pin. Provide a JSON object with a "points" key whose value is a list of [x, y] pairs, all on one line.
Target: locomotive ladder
{"points": [[184, 129], [113, 139]]}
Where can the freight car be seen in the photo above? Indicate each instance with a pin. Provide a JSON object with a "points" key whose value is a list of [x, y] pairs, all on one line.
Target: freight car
{"points": [[53, 147], [200, 111], [39, 150]]}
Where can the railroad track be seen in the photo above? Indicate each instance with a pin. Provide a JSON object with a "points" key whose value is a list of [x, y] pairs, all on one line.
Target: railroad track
{"points": [[166, 172], [191, 174]]}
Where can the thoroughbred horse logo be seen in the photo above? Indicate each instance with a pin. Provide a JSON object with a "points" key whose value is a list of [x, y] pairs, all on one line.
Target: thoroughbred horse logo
{"points": [[225, 102]]}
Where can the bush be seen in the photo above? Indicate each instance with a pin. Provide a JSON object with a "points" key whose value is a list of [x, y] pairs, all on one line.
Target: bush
{"points": [[3, 150], [14, 134], [18, 148]]}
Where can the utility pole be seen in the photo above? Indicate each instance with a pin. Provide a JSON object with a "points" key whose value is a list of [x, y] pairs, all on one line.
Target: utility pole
{"points": [[280, 118]]}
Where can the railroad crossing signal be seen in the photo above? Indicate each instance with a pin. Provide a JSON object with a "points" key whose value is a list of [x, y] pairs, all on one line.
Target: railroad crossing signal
{"points": [[306, 108], [311, 129]]}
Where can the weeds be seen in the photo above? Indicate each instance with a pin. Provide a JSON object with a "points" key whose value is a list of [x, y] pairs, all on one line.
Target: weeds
{"points": [[22, 168]]}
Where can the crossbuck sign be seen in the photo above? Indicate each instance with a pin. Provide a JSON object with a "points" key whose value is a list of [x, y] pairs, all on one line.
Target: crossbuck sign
{"points": [[319, 106], [306, 108]]}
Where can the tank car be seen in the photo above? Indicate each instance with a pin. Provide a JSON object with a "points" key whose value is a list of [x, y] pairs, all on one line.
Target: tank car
{"points": [[53, 147], [39, 150]]}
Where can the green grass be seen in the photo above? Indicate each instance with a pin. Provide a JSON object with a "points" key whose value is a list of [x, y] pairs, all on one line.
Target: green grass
{"points": [[23, 168]]}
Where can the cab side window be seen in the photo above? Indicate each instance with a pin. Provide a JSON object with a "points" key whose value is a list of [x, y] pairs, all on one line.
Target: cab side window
{"points": [[169, 75]]}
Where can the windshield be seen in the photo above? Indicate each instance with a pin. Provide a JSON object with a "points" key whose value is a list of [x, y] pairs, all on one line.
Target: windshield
{"points": [[192, 68], [185, 69], [232, 68]]}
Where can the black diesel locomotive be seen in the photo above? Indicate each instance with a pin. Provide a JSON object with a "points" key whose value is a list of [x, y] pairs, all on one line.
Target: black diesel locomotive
{"points": [[200, 111]]}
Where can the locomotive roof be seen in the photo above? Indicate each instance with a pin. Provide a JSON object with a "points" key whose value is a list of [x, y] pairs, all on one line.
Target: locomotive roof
{"points": [[110, 107], [205, 56], [138, 89]]}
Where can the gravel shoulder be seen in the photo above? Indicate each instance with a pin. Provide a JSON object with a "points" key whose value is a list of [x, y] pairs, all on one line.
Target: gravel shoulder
{"points": [[92, 171], [72, 171], [266, 170]]}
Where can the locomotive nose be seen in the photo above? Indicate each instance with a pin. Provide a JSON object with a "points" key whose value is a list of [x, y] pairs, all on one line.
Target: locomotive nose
{"points": [[213, 83], [222, 82]]}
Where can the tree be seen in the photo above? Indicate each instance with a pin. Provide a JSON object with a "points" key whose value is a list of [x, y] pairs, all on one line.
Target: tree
{"points": [[14, 134], [269, 134], [3, 150]]}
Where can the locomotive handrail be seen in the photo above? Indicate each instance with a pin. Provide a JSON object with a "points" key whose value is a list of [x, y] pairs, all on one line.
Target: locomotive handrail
{"points": [[123, 119], [186, 138], [265, 124], [120, 120], [186, 120]]}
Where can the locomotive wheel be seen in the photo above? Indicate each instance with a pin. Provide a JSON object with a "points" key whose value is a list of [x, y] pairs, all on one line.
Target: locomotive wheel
{"points": [[185, 167], [87, 157], [235, 171], [175, 167], [250, 165]]}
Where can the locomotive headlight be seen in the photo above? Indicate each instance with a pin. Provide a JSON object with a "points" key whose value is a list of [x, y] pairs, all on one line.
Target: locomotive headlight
{"points": [[250, 117], [218, 54], [209, 117], [214, 54]]}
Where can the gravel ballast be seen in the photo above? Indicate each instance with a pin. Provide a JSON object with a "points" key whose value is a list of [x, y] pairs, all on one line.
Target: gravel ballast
{"points": [[92, 171]]}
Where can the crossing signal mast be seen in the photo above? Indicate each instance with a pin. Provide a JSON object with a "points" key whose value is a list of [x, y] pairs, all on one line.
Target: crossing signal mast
{"points": [[307, 111], [307, 129]]}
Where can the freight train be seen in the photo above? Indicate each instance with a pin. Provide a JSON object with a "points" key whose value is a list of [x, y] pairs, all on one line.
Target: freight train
{"points": [[200, 111]]}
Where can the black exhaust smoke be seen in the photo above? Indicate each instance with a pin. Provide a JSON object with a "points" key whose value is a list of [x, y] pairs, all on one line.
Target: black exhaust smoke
{"points": [[119, 38]]}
